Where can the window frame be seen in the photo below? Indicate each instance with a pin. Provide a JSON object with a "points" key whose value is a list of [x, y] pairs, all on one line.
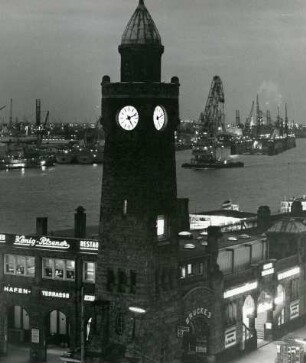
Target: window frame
{"points": [[16, 264], [53, 269], [84, 272]]}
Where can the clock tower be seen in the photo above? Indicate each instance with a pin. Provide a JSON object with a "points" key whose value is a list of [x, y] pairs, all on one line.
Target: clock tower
{"points": [[136, 309]]}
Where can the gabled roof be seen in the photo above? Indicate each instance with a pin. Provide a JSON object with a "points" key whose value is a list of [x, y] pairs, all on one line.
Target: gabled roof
{"points": [[141, 29]]}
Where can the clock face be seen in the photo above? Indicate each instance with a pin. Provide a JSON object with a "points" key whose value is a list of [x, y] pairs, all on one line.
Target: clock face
{"points": [[128, 118], [159, 117]]}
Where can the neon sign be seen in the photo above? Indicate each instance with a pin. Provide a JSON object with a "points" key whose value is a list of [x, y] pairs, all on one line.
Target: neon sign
{"points": [[61, 295], [269, 271], [288, 273], [16, 290], [89, 245], [198, 311], [241, 289], [42, 242], [89, 298]]}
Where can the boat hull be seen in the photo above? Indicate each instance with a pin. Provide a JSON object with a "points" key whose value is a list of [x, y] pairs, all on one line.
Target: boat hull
{"points": [[213, 165]]}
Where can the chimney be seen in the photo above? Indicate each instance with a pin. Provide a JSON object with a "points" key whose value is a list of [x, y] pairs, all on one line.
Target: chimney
{"points": [[213, 235], [42, 226], [80, 223], [263, 217], [296, 209], [182, 212]]}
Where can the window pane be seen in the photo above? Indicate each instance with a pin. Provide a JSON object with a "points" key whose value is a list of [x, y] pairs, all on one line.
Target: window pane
{"points": [[70, 269], [48, 267], [20, 265], [9, 264], [161, 226], [30, 266], [59, 266], [89, 271]]}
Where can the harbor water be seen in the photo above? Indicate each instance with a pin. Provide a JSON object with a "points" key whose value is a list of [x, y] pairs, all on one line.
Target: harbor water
{"points": [[56, 192]]}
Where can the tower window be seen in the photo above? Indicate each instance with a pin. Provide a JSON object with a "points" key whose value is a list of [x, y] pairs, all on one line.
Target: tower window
{"points": [[125, 206], [133, 282], [110, 280], [161, 225], [122, 281]]}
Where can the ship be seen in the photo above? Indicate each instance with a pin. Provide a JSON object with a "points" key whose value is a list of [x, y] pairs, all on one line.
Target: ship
{"points": [[19, 161], [285, 205], [211, 154], [211, 148]]}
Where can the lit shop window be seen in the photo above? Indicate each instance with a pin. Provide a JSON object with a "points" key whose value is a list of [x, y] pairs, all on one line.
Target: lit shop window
{"points": [[19, 265], [183, 272], [189, 269], [53, 268], [161, 227], [89, 272]]}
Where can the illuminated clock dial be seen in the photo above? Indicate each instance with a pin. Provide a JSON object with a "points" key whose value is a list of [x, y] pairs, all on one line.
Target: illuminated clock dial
{"points": [[128, 118], [159, 117]]}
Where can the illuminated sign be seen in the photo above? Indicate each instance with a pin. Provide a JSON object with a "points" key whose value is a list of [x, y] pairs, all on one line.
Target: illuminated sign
{"points": [[61, 295], [2, 238], [294, 309], [16, 290], [241, 289], [267, 266], [198, 311], [230, 337], [89, 298], [181, 330], [270, 271], [293, 271], [89, 245], [35, 335], [43, 242]]}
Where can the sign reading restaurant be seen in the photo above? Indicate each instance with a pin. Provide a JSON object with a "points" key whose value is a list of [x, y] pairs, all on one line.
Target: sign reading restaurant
{"points": [[42, 242]]}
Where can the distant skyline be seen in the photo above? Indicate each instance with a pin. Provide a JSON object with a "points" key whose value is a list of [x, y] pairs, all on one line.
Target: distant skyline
{"points": [[59, 50]]}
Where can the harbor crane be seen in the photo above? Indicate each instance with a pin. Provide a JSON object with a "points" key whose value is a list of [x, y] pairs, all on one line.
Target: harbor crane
{"points": [[211, 120], [2, 107]]}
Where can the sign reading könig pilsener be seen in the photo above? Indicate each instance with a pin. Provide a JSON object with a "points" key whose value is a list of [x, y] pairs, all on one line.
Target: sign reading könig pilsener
{"points": [[41, 242]]}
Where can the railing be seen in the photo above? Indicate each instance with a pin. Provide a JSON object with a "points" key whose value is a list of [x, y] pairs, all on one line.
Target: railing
{"points": [[247, 333]]}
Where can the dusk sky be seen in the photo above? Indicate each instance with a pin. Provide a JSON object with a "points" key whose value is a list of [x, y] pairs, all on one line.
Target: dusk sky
{"points": [[58, 51]]}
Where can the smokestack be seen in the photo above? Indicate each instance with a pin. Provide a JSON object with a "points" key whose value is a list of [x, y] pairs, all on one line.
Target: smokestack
{"points": [[80, 223], [42, 226], [11, 112], [38, 112]]}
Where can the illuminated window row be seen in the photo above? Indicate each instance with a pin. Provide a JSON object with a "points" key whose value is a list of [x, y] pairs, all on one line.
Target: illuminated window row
{"points": [[52, 268], [193, 269], [19, 265]]}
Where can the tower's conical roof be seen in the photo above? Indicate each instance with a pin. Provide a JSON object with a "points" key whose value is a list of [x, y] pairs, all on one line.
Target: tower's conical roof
{"points": [[141, 28]]}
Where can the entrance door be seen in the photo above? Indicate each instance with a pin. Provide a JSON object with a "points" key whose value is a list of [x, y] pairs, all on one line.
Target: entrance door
{"points": [[264, 306], [18, 325], [195, 341], [58, 328]]}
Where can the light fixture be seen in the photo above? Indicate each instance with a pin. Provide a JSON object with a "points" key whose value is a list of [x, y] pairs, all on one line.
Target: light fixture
{"points": [[137, 310]]}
